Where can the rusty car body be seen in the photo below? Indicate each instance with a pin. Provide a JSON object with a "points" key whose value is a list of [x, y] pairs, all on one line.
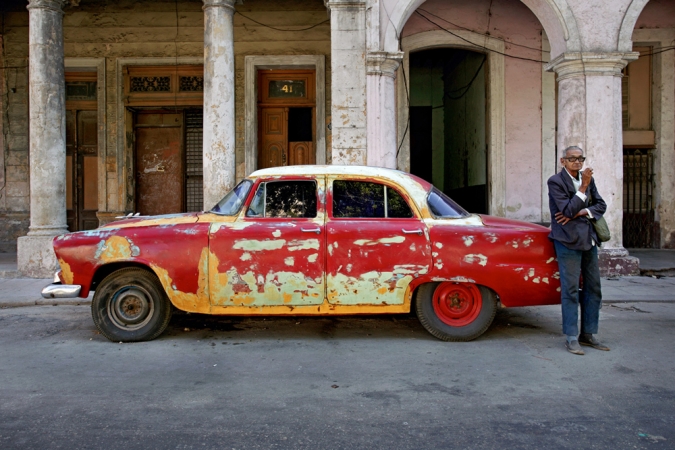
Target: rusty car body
{"points": [[311, 240]]}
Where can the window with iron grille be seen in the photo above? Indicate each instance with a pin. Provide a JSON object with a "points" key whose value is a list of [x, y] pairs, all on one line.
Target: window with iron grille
{"points": [[640, 229], [194, 181]]}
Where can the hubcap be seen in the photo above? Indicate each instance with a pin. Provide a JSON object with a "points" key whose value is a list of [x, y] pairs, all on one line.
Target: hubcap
{"points": [[130, 308], [456, 304]]}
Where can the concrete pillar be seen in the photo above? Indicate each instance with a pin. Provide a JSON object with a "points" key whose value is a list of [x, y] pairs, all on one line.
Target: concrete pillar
{"points": [[348, 81], [47, 115], [219, 125], [589, 116], [381, 117]]}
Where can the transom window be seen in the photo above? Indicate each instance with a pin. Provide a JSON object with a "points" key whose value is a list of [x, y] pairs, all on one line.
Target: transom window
{"points": [[289, 199], [368, 200]]}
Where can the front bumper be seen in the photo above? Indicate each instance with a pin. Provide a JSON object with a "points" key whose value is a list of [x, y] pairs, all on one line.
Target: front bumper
{"points": [[58, 290], [61, 291]]}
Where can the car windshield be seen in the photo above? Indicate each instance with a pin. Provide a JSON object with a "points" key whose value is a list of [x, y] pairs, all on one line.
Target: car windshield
{"points": [[443, 207], [232, 202]]}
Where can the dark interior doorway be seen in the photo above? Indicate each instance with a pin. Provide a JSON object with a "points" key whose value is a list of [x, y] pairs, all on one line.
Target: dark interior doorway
{"points": [[448, 139]]}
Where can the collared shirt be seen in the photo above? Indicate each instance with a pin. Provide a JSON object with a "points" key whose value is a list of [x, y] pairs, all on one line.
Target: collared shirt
{"points": [[577, 184]]}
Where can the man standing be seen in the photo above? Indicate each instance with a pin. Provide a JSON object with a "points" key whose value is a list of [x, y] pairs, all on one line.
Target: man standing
{"points": [[573, 200]]}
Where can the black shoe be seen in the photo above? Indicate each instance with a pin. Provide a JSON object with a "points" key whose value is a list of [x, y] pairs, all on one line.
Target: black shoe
{"points": [[590, 341], [573, 347]]}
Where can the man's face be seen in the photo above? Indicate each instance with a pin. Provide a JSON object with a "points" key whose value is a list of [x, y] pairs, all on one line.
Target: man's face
{"points": [[575, 164]]}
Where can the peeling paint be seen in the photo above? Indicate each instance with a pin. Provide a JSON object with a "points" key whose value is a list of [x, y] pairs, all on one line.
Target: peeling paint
{"points": [[490, 237], [252, 245], [468, 240], [371, 288], [387, 240], [476, 258], [312, 258], [245, 256], [276, 233], [289, 261], [305, 244], [116, 248], [66, 272]]}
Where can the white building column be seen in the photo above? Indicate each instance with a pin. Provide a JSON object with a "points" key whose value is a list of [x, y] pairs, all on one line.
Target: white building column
{"points": [[47, 116], [381, 108], [348, 81], [589, 116], [219, 124]]}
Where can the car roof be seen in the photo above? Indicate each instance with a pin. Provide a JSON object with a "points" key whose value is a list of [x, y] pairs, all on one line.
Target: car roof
{"points": [[416, 187]]}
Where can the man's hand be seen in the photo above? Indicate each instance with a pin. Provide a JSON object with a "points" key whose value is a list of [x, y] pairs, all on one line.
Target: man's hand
{"points": [[586, 176], [562, 220]]}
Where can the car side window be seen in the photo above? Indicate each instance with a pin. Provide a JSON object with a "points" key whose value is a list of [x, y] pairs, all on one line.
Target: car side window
{"points": [[290, 199], [367, 200]]}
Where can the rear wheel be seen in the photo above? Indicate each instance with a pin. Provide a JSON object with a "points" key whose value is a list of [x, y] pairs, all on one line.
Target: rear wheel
{"points": [[130, 305], [455, 311]]}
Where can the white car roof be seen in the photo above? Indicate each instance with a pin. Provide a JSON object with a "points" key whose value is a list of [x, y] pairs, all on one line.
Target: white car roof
{"points": [[403, 179]]}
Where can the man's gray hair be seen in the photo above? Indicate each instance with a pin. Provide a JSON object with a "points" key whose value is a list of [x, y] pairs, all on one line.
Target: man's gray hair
{"points": [[572, 147]]}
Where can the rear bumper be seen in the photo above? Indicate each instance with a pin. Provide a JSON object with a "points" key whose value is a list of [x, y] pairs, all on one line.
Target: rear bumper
{"points": [[58, 290]]}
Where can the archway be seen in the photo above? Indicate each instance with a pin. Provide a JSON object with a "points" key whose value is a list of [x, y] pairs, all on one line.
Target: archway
{"points": [[448, 123]]}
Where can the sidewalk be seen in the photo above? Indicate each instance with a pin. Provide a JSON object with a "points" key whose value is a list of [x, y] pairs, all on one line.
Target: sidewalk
{"points": [[15, 291]]}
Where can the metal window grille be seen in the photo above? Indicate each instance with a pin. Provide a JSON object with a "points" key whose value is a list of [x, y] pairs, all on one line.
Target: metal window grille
{"points": [[194, 181], [640, 229]]}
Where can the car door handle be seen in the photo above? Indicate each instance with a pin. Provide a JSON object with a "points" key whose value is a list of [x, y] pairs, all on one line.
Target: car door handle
{"points": [[311, 230], [418, 231]]}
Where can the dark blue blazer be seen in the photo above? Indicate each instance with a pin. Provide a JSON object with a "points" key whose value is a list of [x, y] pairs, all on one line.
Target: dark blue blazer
{"points": [[578, 233]]}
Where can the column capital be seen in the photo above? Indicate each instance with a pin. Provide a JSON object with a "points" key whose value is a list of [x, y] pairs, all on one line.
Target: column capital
{"points": [[578, 64], [53, 5], [344, 4], [383, 63], [228, 4]]}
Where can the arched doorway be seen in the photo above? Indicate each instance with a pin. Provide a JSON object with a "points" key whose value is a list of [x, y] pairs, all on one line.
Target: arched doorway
{"points": [[448, 141]]}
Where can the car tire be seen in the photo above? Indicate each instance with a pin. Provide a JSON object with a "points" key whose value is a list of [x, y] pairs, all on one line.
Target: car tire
{"points": [[455, 311], [130, 305]]}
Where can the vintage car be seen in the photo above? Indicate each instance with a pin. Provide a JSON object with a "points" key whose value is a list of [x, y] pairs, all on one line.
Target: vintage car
{"points": [[311, 240]]}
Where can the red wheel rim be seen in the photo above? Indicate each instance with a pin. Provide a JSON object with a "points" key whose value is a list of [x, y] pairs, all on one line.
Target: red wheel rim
{"points": [[457, 305]]}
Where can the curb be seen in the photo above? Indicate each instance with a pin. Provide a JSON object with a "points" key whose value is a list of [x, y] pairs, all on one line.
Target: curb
{"points": [[47, 302]]}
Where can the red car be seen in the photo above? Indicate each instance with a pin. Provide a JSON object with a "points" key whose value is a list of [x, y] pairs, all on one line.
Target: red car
{"points": [[311, 240]]}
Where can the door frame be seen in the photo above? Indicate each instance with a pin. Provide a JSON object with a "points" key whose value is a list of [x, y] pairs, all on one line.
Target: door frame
{"points": [[495, 103], [97, 65], [253, 63]]}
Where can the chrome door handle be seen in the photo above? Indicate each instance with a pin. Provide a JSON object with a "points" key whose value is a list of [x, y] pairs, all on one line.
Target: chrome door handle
{"points": [[418, 231], [311, 230]]}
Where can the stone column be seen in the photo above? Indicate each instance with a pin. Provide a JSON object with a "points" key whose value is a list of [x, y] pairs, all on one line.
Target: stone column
{"points": [[219, 127], [348, 81], [47, 115], [589, 116], [381, 109]]}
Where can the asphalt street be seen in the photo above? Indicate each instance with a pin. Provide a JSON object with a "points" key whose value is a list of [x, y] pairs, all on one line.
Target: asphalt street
{"points": [[336, 383]]}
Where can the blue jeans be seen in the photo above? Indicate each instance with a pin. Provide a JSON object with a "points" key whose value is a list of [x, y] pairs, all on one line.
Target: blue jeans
{"points": [[571, 264]]}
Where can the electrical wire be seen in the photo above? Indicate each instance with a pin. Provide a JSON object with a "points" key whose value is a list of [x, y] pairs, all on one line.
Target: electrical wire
{"points": [[281, 29], [477, 32], [478, 45]]}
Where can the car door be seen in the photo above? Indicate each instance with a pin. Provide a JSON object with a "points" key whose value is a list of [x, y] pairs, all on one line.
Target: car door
{"points": [[376, 243], [274, 253]]}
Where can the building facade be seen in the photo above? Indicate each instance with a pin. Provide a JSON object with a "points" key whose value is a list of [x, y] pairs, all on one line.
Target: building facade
{"points": [[151, 106]]}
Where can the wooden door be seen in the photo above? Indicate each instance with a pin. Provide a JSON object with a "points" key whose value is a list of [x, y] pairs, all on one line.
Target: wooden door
{"points": [[159, 163], [286, 118], [81, 170], [273, 137]]}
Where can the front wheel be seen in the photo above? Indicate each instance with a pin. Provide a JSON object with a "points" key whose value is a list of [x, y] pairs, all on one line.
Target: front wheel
{"points": [[455, 311], [130, 305]]}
